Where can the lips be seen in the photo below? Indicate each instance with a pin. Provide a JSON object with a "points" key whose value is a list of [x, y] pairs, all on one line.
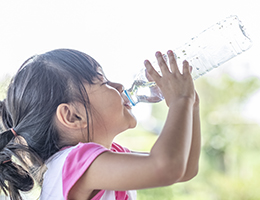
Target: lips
{"points": [[126, 103]]}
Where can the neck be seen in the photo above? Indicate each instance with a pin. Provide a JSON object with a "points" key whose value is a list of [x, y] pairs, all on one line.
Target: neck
{"points": [[104, 140]]}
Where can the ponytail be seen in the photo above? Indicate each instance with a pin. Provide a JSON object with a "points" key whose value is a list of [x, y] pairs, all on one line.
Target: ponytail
{"points": [[14, 177]]}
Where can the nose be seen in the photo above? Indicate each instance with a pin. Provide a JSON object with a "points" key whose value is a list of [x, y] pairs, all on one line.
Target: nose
{"points": [[118, 86]]}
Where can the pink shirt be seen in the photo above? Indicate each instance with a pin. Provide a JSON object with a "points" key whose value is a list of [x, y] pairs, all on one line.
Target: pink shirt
{"points": [[68, 165]]}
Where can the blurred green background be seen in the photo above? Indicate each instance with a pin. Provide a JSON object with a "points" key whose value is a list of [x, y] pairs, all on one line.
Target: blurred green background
{"points": [[230, 161]]}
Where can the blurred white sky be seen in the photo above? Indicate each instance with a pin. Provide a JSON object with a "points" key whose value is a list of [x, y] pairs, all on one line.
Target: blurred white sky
{"points": [[119, 34]]}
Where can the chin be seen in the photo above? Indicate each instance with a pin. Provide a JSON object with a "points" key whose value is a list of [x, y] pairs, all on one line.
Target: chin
{"points": [[134, 123]]}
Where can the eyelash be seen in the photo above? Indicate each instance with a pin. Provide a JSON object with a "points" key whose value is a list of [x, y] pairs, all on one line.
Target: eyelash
{"points": [[107, 82]]}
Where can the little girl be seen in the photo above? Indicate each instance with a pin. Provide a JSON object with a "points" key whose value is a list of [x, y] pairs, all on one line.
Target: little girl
{"points": [[63, 113]]}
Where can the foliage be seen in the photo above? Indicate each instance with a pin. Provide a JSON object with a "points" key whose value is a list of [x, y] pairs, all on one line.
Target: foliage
{"points": [[3, 86]]}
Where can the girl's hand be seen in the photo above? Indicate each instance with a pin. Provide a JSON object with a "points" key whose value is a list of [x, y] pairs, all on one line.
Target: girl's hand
{"points": [[174, 85]]}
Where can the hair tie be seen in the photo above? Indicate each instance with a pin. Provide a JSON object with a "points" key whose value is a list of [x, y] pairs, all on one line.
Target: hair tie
{"points": [[13, 131], [5, 161]]}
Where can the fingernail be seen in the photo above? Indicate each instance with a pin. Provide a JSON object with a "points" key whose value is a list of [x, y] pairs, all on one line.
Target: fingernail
{"points": [[158, 53], [169, 52], [146, 62]]}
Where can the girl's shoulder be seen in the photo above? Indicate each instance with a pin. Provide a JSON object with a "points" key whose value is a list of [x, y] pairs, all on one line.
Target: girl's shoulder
{"points": [[80, 158], [82, 155], [66, 166], [83, 151], [93, 148]]}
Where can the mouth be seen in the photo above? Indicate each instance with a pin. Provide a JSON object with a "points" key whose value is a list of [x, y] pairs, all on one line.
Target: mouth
{"points": [[128, 105], [126, 102]]}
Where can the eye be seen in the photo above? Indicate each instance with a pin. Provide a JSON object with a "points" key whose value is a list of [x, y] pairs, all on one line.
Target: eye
{"points": [[105, 83]]}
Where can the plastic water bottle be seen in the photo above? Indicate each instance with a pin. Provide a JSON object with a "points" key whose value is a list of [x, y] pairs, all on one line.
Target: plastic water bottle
{"points": [[211, 48]]}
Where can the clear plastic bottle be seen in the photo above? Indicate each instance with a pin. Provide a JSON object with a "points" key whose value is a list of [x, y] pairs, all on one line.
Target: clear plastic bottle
{"points": [[211, 48]]}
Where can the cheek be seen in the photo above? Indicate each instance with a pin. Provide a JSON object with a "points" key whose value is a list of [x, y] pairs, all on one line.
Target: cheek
{"points": [[108, 103], [113, 99]]}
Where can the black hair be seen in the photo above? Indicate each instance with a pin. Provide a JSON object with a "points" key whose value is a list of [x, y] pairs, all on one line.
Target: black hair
{"points": [[41, 84]]}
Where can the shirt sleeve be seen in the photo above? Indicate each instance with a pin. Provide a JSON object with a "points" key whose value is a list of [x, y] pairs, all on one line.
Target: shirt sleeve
{"points": [[77, 162]]}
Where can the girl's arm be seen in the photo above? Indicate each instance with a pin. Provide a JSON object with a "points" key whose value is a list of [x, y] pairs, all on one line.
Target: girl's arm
{"points": [[167, 162], [192, 166], [193, 162]]}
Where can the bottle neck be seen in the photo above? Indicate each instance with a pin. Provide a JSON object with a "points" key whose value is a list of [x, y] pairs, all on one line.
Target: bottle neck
{"points": [[127, 93]]}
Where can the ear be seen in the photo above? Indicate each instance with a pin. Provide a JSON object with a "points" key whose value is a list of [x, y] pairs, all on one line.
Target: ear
{"points": [[70, 117]]}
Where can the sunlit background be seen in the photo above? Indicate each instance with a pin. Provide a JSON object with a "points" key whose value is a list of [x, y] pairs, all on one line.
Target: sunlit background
{"points": [[120, 35]]}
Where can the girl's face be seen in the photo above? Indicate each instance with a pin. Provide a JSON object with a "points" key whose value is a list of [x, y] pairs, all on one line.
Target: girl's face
{"points": [[111, 109]]}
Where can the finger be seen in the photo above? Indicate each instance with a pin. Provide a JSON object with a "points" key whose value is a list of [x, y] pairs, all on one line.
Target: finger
{"points": [[148, 76], [161, 62], [151, 72], [172, 61], [186, 67]]}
